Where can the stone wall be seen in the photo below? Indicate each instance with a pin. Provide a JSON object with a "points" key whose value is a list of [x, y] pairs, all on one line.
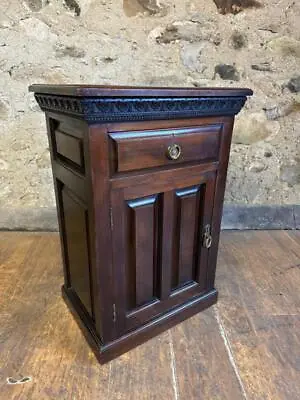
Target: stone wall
{"points": [[151, 42]]}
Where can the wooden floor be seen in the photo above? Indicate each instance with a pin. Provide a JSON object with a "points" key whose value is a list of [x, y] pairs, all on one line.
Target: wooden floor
{"points": [[246, 347]]}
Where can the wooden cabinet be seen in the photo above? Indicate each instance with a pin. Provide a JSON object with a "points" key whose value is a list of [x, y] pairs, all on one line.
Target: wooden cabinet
{"points": [[139, 176]]}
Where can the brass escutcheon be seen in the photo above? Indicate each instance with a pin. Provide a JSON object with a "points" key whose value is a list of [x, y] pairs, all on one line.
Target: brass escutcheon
{"points": [[207, 238], [174, 151]]}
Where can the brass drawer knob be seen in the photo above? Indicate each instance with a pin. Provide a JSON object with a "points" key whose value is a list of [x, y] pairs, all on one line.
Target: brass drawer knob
{"points": [[174, 152]]}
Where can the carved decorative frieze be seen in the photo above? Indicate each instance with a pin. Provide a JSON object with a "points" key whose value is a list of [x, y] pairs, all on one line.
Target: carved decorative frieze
{"points": [[110, 109]]}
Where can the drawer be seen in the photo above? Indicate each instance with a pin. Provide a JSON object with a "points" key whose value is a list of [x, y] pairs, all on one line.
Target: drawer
{"points": [[157, 148]]}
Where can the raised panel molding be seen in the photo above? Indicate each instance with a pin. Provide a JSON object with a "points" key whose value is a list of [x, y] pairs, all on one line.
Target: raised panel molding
{"points": [[69, 150], [186, 234], [143, 249]]}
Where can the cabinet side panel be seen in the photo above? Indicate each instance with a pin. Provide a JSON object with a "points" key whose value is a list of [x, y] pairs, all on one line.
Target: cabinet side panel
{"points": [[76, 233], [76, 128], [67, 138]]}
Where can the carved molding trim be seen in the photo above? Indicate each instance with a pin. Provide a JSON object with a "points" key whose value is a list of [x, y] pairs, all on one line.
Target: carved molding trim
{"points": [[111, 109]]}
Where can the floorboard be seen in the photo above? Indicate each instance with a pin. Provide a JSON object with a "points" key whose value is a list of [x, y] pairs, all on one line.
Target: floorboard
{"points": [[259, 279], [245, 347], [203, 368]]}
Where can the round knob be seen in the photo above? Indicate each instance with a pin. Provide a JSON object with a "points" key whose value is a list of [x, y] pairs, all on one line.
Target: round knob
{"points": [[174, 152]]}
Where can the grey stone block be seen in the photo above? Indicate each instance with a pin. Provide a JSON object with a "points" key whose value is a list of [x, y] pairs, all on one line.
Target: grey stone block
{"points": [[241, 217], [258, 217], [28, 219]]}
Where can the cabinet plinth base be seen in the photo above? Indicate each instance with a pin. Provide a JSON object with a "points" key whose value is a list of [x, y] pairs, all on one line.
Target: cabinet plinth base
{"points": [[106, 352]]}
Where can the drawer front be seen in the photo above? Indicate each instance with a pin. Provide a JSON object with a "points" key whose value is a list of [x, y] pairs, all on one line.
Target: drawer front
{"points": [[149, 149]]}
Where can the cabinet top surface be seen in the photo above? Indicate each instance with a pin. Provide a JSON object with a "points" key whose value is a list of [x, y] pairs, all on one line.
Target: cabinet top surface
{"points": [[136, 91]]}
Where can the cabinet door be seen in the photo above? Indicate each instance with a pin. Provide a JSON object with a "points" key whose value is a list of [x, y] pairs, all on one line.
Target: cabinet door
{"points": [[159, 257]]}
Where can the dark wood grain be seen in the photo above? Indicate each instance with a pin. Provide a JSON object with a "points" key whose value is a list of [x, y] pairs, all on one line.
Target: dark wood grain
{"points": [[165, 179], [206, 257], [186, 231], [132, 219], [69, 149], [97, 143], [131, 126], [148, 149], [175, 216], [103, 91], [141, 243], [76, 230], [168, 223]]}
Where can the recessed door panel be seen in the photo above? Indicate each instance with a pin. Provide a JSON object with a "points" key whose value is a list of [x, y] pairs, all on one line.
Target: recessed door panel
{"points": [[186, 232], [143, 249]]}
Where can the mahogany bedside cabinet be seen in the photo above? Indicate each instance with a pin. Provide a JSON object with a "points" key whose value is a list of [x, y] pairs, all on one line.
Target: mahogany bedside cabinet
{"points": [[139, 176]]}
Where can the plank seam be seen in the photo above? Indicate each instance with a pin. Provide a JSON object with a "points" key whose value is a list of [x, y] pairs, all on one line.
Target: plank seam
{"points": [[173, 368], [109, 381], [229, 352]]}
